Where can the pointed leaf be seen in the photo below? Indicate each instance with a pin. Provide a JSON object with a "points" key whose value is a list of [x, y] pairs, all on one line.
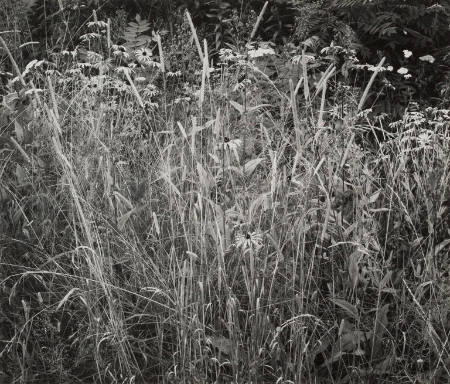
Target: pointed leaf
{"points": [[124, 218], [250, 166], [346, 306], [66, 297], [237, 106]]}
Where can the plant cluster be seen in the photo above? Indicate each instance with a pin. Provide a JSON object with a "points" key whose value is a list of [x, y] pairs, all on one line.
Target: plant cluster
{"points": [[178, 215]]}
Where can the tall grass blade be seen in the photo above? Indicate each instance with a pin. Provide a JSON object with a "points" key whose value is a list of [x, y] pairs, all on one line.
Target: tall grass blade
{"points": [[369, 85], [258, 20], [194, 35]]}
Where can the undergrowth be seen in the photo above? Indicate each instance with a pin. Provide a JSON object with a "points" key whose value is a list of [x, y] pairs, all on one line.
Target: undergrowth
{"points": [[169, 218]]}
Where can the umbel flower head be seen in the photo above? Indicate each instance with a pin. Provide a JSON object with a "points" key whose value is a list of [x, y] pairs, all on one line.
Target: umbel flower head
{"points": [[407, 53], [430, 59]]}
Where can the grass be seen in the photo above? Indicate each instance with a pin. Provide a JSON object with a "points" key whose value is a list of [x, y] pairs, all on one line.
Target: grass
{"points": [[236, 233]]}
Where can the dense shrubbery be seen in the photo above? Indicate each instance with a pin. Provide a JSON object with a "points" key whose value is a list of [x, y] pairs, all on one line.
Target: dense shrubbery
{"points": [[237, 210]]}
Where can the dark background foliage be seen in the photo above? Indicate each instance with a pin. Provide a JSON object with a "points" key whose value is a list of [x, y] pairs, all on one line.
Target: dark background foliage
{"points": [[374, 29]]}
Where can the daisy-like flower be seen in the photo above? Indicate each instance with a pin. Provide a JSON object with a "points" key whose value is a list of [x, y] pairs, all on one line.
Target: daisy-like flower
{"points": [[71, 54], [174, 74], [407, 53], [150, 90], [226, 54], [120, 51], [144, 56], [427, 58], [424, 139], [98, 24], [230, 145], [402, 71], [248, 241]]}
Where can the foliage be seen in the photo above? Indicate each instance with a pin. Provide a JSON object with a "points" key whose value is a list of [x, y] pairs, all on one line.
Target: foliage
{"points": [[169, 219], [388, 28], [134, 34]]}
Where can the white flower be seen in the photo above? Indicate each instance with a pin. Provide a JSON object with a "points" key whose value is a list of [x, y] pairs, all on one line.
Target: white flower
{"points": [[150, 90], [174, 74], [259, 50], [144, 56], [120, 51], [248, 241], [231, 146], [402, 71], [424, 139], [407, 53], [226, 54], [390, 68], [428, 58], [407, 76]]}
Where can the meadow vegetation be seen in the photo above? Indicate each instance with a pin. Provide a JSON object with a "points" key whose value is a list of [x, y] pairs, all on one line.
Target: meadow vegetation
{"points": [[174, 210]]}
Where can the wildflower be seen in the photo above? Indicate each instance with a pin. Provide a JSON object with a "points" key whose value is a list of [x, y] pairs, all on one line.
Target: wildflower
{"points": [[248, 241], [373, 68], [390, 68], [98, 24], [226, 54], [230, 145], [402, 71], [255, 51], [124, 70], [174, 74], [298, 59], [179, 100], [90, 36], [96, 83], [120, 51], [407, 53], [150, 90], [144, 56], [241, 85], [424, 139], [407, 76], [427, 58]]}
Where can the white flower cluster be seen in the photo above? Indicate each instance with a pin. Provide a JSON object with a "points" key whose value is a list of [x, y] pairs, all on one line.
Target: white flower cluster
{"points": [[430, 59], [407, 53], [373, 68], [226, 55], [259, 50]]}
